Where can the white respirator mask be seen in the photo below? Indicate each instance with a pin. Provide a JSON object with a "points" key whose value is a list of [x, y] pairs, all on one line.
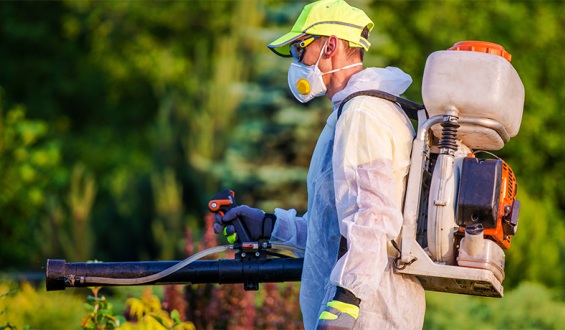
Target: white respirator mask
{"points": [[305, 81]]}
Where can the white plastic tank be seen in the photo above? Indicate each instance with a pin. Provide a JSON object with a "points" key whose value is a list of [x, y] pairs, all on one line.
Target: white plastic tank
{"points": [[477, 79]]}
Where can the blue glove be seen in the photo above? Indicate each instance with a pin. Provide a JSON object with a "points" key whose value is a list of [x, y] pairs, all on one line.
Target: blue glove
{"points": [[258, 223], [341, 313]]}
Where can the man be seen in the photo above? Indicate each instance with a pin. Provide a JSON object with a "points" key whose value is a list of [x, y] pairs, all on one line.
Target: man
{"points": [[356, 181]]}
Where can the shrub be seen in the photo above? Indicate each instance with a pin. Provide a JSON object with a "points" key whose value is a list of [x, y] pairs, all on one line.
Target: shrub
{"points": [[22, 305], [529, 306]]}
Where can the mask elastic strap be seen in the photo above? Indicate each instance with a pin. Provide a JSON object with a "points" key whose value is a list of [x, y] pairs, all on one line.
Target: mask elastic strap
{"points": [[334, 70], [321, 52], [343, 68]]}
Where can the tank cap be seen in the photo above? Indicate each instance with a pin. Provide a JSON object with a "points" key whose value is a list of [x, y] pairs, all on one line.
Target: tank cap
{"points": [[483, 47]]}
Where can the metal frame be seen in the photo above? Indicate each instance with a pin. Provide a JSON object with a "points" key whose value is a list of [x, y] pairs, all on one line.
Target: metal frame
{"points": [[414, 260]]}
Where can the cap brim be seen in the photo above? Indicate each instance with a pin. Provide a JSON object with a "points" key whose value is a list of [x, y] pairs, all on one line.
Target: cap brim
{"points": [[281, 46]]}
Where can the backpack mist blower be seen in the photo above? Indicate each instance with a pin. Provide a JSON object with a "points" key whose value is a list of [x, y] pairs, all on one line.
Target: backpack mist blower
{"points": [[460, 211]]}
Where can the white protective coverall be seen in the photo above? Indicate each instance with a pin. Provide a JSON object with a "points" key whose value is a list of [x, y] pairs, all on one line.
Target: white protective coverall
{"points": [[356, 184]]}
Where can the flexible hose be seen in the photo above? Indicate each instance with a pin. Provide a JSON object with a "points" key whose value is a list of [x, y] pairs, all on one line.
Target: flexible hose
{"points": [[171, 270], [160, 275]]}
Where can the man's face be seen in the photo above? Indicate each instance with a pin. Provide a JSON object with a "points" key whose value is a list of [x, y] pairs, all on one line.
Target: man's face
{"points": [[312, 52], [307, 49]]}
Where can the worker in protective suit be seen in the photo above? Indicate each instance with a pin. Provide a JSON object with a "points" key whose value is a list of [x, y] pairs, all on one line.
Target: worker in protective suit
{"points": [[356, 180]]}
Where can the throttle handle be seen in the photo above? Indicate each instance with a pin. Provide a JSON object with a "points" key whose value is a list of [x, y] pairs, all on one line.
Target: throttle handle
{"points": [[223, 202]]}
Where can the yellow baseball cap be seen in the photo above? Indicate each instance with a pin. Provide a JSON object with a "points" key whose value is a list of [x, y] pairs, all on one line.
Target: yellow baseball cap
{"points": [[326, 18]]}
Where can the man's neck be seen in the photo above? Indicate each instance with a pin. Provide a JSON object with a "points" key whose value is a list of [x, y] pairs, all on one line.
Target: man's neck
{"points": [[340, 79]]}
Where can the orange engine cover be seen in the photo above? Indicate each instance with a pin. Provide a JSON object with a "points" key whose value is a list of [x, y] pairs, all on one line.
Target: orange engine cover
{"points": [[487, 195], [504, 228]]}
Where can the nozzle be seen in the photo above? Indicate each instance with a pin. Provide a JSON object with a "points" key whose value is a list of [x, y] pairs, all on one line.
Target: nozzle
{"points": [[55, 274]]}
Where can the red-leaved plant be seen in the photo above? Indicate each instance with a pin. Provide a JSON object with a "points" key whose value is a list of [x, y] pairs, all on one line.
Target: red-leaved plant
{"points": [[229, 306]]}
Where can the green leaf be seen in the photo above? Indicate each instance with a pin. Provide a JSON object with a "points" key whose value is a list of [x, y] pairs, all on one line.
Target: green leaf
{"points": [[175, 315]]}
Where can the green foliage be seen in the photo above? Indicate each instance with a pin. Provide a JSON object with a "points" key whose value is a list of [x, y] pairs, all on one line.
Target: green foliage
{"points": [[529, 306], [23, 306], [143, 313], [7, 325], [537, 251], [30, 167], [132, 93], [100, 315], [167, 228], [81, 195], [147, 313]]}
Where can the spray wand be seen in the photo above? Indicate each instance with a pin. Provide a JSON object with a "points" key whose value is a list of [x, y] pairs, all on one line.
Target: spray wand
{"points": [[251, 265]]}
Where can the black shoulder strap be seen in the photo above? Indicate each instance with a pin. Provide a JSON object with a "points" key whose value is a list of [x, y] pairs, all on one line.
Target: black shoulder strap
{"points": [[409, 107]]}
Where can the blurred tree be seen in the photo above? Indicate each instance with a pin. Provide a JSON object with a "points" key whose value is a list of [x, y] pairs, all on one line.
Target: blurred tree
{"points": [[135, 91], [30, 171], [167, 228], [273, 137], [80, 200]]}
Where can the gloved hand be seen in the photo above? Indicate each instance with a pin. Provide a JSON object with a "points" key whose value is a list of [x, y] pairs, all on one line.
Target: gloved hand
{"points": [[258, 223], [341, 313]]}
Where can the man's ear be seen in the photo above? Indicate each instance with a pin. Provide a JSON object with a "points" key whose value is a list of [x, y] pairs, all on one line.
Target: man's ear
{"points": [[331, 46]]}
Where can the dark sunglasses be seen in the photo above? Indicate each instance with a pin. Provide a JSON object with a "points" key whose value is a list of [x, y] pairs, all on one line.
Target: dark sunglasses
{"points": [[298, 48]]}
